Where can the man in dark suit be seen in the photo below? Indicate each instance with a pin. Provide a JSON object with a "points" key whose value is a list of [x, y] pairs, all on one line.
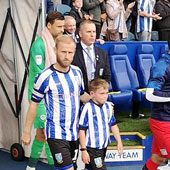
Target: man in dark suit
{"points": [[92, 61]]}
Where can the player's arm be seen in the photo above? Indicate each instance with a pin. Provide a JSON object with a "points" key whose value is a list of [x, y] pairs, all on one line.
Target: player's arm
{"points": [[26, 136], [159, 76], [115, 131], [150, 96], [85, 155]]}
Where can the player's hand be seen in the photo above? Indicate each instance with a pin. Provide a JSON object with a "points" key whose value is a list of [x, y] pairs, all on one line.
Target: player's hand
{"points": [[85, 157], [26, 138]]}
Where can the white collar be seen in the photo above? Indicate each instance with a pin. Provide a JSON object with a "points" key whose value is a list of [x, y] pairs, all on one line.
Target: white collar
{"points": [[84, 46]]}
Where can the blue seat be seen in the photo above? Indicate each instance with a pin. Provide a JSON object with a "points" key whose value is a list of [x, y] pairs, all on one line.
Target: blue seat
{"points": [[154, 36], [119, 97], [131, 37], [124, 77], [63, 8], [164, 50], [144, 61]]}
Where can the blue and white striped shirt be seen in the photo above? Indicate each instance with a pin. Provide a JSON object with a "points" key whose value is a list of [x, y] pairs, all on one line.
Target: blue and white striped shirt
{"points": [[145, 23], [97, 120], [61, 93]]}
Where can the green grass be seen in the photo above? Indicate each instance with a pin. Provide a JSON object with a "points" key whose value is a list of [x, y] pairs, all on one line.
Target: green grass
{"points": [[127, 124], [126, 143]]}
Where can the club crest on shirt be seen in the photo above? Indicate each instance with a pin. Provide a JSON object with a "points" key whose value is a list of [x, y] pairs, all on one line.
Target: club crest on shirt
{"points": [[59, 158], [98, 162], [38, 59]]}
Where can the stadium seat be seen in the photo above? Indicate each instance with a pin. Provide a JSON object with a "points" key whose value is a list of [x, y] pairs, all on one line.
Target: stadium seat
{"points": [[131, 37], [164, 49], [119, 97], [144, 61], [63, 8], [124, 77], [154, 36]]}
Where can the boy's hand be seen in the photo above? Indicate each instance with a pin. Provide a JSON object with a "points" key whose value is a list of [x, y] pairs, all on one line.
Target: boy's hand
{"points": [[85, 157], [120, 148]]}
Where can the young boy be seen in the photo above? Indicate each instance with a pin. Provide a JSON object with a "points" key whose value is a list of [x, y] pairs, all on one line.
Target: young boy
{"points": [[96, 119], [78, 14]]}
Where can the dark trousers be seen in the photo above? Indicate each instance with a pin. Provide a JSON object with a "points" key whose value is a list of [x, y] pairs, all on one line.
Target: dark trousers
{"points": [[164, 35]]}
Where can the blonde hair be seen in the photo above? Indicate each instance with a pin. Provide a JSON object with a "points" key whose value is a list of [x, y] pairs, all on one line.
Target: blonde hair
{"points": [[65, 39], [97, 83]]}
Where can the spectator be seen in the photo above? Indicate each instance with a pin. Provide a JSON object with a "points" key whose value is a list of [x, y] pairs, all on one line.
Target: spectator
{"points": [[77, 12], [96, 120], [163, 26], [60, 85], [145, 19], [116, 17], [159, 94], [49, 5], [42, 55], [70, 28], [95, 8], [66, 2], [92, 61], [131, 21]]}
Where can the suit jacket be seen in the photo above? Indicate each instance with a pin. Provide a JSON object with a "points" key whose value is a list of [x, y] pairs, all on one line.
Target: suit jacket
{"points": [[76, 38], [102, 64], [74, 13]]}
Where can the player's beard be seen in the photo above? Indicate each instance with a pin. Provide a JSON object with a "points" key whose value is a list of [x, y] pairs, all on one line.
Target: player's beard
{"points": [[64, 64]]}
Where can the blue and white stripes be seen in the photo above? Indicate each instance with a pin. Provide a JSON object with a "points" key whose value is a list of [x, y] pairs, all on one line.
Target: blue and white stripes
{"points": [[97, 121], [145, 23], [61, 92]]}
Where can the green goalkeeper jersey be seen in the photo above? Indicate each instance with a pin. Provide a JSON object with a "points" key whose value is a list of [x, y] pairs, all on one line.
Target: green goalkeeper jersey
{"points": [[36, 66]]}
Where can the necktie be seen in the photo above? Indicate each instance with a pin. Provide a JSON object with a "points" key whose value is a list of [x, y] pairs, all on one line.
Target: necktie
{"points": [[80, 13], [90, 64]]}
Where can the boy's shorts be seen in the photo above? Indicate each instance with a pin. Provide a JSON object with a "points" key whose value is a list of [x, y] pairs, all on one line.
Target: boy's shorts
{"points": [[161, 137], [40, 118], [64, 152], [97, 157]]}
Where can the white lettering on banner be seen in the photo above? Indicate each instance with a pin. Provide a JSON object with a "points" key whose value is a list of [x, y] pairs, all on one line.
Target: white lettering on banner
{"points": [[127, 155]]}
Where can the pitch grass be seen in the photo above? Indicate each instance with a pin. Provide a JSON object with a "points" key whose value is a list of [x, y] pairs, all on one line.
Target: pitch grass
{"points": [[127, 124], [126, 143]]}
